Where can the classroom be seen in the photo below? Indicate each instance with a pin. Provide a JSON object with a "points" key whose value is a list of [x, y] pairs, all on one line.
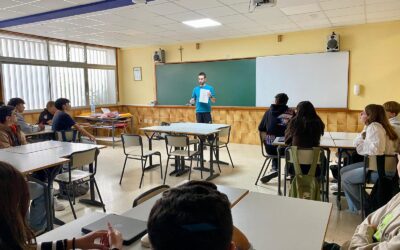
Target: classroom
{"points": [[122, 122]]}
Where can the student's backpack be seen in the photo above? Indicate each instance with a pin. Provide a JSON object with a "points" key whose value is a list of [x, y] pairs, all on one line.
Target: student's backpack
{"points": [[305, 186], [383, 190]]}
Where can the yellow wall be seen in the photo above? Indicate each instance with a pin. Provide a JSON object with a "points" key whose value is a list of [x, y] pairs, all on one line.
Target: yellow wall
{"points": [[374, 59]]}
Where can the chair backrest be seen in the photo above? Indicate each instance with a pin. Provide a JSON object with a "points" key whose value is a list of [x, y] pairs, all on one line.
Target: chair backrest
{"points": [[149, 194], [390, 163], [68, 135], [83, 158], [179, 141], [305, 156], [224, 134], [263, 135], [130, 140]]}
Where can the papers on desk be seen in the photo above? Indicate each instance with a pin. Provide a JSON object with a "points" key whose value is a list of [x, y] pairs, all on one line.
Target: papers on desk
{"points": [[204, 95]]}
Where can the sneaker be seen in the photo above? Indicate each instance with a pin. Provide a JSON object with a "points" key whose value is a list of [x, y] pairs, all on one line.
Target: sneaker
{"points": [[268, 177], [334, 187], [58, 206]]}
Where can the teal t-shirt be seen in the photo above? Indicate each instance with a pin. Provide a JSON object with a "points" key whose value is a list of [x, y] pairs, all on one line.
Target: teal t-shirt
{"points": [[200, 106]]}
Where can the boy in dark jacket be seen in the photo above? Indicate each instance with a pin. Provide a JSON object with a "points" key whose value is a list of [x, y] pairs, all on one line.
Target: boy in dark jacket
{"points": [[274, 123]]}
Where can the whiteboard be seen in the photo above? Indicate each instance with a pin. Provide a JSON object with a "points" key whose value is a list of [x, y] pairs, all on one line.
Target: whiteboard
{"points": [[321, 78]]}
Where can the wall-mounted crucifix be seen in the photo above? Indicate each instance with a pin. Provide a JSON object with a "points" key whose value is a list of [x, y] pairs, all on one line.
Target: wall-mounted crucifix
{"points": [[180, 51]]}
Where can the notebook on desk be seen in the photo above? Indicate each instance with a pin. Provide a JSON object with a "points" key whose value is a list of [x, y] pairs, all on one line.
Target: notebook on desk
{"points": [[105, 110], [131, 229]]}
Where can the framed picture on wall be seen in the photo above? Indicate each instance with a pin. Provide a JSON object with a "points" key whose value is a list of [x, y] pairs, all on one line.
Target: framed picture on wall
{"points": [[137, 73]]}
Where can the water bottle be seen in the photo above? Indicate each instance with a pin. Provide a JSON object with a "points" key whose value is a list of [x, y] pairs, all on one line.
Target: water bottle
{"points": [[92, 108]]}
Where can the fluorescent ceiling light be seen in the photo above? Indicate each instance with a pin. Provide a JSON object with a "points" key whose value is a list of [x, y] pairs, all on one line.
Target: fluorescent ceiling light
{"points": [[202, 23]]}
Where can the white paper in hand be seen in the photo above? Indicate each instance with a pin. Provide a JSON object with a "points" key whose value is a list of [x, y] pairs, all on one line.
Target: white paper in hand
{"points": [[204, 95]]}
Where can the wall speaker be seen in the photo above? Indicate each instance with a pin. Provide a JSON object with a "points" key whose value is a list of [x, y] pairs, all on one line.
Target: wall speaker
{"points": [[333, 43]]}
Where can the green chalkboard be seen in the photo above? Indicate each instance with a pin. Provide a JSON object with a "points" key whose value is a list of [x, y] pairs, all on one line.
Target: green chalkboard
{"points": [[234, 82]]}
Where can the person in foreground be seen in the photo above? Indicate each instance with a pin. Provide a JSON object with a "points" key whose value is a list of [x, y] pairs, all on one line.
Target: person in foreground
{"points": [[194, 216], [17, 235], [379, 231]]}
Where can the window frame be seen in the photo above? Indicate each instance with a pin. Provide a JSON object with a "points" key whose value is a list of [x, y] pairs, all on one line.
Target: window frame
{"points": [[53, 63]]}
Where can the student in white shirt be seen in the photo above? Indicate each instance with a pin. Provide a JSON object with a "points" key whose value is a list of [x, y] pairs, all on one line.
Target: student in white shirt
{"points": [[377, 138]]}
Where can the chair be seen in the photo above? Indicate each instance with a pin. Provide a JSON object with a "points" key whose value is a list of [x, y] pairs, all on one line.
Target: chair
{"points": [[175, 145], [305, 156], [268, 157], [68, 135], [75, 176], [222, 142], [372, 164], [133, 149], [149, 194]]}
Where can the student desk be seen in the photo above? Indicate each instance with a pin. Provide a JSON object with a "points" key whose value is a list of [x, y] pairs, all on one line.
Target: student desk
{"points": [[281, 223], [343, 135], [201, 130], [141, 212], [107, 123], [46, 134], [47, 155]]}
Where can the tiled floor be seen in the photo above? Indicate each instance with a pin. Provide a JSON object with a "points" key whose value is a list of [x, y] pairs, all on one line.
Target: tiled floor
{"points": [[247, 160]]}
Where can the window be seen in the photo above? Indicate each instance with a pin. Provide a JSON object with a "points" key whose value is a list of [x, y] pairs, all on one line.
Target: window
{"points": [[58, 51], [102, 86], [28, 82], [76, 53], [101, 56], [68, 83], [39, 70], [22, 47]]}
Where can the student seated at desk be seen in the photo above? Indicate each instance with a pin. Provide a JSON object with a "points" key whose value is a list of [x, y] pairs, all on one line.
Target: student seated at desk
{"points": [[274, 123], [194, 216], [392, 110], [46, 116], [15, 233], [19, 106], [62, 121], [11, 136], [305, 130], [377, 138]]}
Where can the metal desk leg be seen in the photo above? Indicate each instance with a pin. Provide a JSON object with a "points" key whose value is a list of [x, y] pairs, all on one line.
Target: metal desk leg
{"points": [[92, 201], [338, 203], [279, 170], [212, 173], [328, 154], [201, 145], [150, 139], [113, 132]]}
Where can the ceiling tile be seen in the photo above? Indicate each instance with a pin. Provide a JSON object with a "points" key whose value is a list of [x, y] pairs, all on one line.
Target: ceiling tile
{"points": [[340, 4], [185, 16], [385, 6], [166, 9], [359, 10], [301, 9], [198, 5], [217, 12], [347, 19]]}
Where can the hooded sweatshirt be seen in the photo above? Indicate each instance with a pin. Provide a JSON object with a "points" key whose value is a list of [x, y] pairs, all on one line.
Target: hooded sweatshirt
{"points": [[274, 122]]}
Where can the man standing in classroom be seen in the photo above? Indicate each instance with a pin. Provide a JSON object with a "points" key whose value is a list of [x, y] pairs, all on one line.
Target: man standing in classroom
{"points": [[203, 95]]}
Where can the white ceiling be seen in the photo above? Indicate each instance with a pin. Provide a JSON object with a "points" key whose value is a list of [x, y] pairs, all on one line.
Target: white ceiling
{"points": [[159, 22]]}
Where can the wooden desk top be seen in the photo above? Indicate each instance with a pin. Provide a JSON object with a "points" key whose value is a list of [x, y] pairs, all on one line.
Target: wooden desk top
{"points": [[346, 144], [281, 223], [73, 228], [41, 155], [181, 130], [29, 163], [343, 135], [33, 147], [142, 211]]}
